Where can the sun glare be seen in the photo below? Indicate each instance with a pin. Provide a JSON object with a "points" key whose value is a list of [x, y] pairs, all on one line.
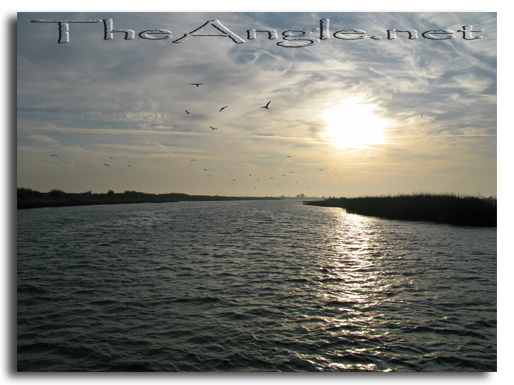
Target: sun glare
{"points": [[354, 124]]}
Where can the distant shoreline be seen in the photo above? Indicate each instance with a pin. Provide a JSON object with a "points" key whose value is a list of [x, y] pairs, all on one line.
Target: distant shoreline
{"points": [[28, 198], [440, 208]]}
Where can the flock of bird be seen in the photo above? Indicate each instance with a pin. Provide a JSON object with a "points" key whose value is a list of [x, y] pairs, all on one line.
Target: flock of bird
{"points": [[266, 106], [215, 128], [222, 108], [188, 113]]}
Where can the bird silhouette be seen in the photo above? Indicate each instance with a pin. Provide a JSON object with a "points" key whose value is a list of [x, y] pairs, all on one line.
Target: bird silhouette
{"points": [[53, 155], [222, 108], [213, 128], [187, 112], [105, 164], [422, 114], [267, 105], [196, 84]]}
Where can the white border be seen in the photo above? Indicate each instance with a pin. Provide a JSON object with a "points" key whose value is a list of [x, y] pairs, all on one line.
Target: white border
{"points": [[505, 162]]}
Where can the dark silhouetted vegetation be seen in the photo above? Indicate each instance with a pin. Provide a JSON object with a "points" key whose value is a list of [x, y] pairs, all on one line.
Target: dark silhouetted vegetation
{"points": [[28, 198], [444, 208]]}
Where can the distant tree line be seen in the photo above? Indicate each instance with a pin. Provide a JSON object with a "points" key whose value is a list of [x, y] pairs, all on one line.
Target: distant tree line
{"points": [[28, 198]]}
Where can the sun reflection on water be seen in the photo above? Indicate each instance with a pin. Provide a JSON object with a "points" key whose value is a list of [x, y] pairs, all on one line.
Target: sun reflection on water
{"points": [[351, 291]]}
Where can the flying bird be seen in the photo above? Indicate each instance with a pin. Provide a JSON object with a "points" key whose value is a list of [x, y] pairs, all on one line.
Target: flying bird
{"points": [[222, 108], [105, 164], [422, 114], [53, 155], [187, 112], [111, 157], [267, 105], [213, 128], [196, 84]]}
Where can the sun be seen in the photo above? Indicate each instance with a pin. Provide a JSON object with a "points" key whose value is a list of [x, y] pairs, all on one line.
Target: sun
{"points": [[353, 123]]}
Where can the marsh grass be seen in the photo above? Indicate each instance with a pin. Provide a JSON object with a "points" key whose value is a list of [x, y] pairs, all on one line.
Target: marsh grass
{"points": [[444, 208]]}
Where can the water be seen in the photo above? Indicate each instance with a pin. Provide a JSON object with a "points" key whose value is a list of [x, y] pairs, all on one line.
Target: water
{"points": [[251, 286]]}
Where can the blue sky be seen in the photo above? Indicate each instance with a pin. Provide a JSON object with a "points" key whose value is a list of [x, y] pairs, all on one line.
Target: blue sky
{"points": [[346, 118]]}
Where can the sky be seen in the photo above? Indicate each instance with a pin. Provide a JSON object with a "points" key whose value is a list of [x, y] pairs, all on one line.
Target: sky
{"points": [[359, 112]]}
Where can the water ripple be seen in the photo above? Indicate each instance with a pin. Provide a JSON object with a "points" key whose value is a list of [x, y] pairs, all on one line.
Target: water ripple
{"points": [[251, 286]]}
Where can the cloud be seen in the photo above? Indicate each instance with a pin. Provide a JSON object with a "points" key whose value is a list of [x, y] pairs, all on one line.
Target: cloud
{"points": [[133, 94], [43, 139], [470, 83]]}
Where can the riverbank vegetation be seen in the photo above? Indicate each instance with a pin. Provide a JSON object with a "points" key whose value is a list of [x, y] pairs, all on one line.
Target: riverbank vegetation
{"points": [[443, 208], [28, 198]]}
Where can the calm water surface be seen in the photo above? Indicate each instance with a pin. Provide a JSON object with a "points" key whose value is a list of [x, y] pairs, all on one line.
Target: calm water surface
{"points": [[251, 286]]}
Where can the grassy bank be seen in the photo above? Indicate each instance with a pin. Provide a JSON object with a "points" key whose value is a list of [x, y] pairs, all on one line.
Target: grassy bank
{"points": [[443, 208], [28, 198]]}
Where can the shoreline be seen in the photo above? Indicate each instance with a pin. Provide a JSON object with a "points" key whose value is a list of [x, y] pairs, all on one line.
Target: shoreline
{"points": [[30, 199], [439, 208]]}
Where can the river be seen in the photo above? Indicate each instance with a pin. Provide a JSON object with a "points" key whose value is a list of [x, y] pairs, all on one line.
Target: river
{"points": [[251, 286]]}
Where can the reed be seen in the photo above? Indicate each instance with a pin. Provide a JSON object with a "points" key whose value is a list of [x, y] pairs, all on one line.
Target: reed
{"points": [[443, 208]]}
